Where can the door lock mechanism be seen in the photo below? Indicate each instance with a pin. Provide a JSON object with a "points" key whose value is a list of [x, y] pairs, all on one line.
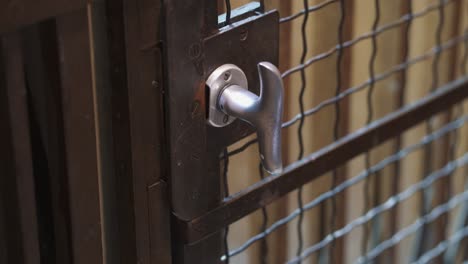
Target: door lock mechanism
{"points": [[229, 98]]}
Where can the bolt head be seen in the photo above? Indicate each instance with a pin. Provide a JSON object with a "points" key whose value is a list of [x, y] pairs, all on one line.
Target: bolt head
{"points": [[225, 119], [243, 35], [227, 76]]}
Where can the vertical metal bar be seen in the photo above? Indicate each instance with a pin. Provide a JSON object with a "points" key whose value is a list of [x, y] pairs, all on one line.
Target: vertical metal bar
{"points": [[226, 194], [148, 188], [22, 182], [10, 248], [262, 5], [464, 61], [122, 152], [120, 231], [264, 242], [194, 164], [278, 240], [80, 137], [3, 233], [48, 159], [116, 234], [228, 11], [42, 72], [375, 224]]}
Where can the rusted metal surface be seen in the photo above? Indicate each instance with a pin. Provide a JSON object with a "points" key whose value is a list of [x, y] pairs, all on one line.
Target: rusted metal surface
{"points": [[80, 137], [19, 184], [18, 13], [315, 165]]}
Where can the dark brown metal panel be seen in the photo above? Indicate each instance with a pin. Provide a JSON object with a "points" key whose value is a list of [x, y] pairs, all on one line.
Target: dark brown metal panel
{"points": [[185, 101], [43, 82], [18, 13], [20, 132], [195, 178], [192, 54], [316, 164], [80, 137], [10, 246], [145, 92], [3, 234], [124, 236], [21, 177], [160, 222]]}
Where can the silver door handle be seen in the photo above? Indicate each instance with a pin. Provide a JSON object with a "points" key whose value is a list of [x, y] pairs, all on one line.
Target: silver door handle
{"points": [[230, 99]]}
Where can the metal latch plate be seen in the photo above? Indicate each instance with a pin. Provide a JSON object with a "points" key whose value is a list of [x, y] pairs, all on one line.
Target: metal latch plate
{"points": [[244, 43]]}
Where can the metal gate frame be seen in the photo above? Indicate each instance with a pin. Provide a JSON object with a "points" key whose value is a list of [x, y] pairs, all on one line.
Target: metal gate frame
{"points": [[147, 106], [193, 195], [200, 213]]}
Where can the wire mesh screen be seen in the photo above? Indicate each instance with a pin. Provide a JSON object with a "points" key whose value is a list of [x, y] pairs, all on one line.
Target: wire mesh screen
{"points": [[346, 64]]}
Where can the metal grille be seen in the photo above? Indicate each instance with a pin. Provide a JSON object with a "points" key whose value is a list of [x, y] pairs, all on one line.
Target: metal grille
{"points": [[455, 203]]}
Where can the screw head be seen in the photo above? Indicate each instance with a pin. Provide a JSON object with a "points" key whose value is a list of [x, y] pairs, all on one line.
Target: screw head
{"points": [[195, 107], [227, 76], [195, 50], [225, 119], [243, 34]]}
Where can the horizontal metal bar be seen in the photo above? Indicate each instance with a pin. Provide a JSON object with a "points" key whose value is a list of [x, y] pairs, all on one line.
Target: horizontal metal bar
{"points": [[18, 13], [313, 166], [352, 181]]}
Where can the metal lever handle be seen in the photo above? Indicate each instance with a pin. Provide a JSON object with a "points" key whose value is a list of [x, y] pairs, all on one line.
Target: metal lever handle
{"points": [[264, 112]]}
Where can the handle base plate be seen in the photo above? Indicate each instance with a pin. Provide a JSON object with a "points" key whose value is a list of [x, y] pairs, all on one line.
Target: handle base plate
{"points": [[222, 77]]}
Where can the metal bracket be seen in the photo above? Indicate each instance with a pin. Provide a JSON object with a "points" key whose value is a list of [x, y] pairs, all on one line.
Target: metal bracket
{"points": [[221, 78]]}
